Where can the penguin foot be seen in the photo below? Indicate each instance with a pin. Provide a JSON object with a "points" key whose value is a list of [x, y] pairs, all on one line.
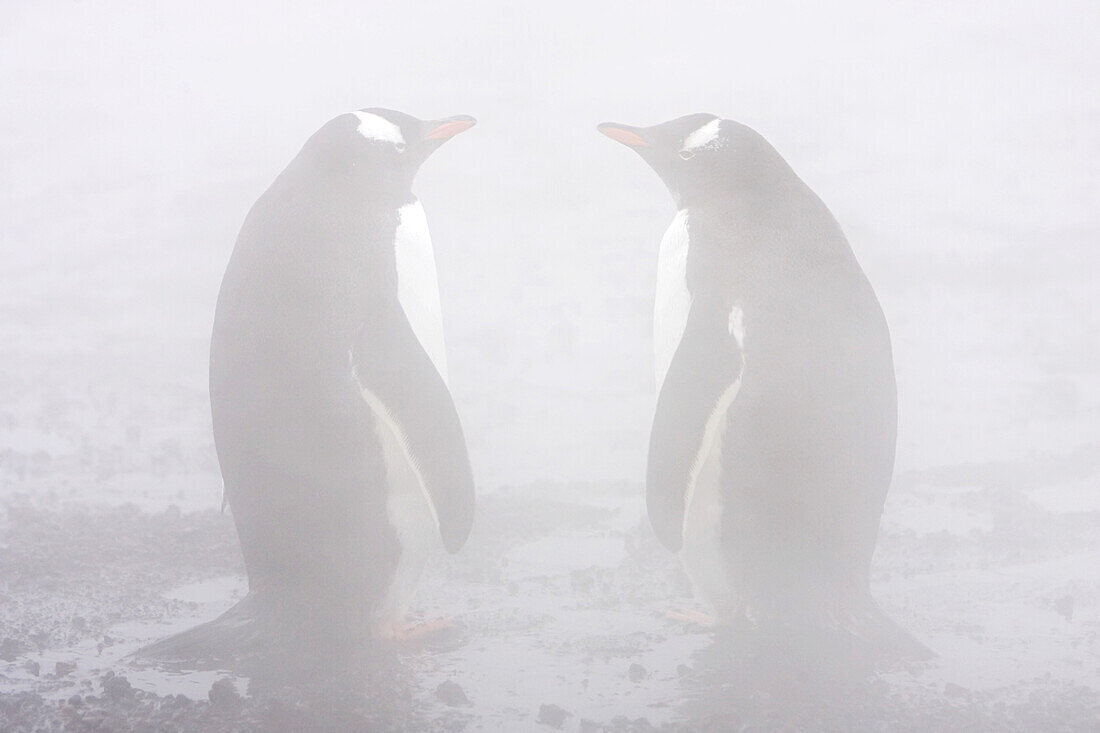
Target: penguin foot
{"points": [[421, 630], [691, 617]]}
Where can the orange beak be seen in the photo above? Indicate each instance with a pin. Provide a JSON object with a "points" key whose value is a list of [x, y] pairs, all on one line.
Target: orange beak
{"points": [[623, 134], [449, 127]]}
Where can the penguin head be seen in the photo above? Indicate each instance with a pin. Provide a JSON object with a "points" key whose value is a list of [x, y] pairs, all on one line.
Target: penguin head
{"points": [[380, 148], [702, 155]]}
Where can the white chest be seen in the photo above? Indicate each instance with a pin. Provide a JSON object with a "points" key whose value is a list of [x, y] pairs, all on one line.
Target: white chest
{"points": [[417, 283], [673, 301]]}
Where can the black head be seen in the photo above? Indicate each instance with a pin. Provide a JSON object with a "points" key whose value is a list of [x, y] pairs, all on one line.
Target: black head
{"points": [[380, 148], [701, 155]]}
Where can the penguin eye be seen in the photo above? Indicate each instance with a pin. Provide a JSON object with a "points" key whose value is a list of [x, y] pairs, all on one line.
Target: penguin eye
{"points": [[687, 154], [400, 147]]}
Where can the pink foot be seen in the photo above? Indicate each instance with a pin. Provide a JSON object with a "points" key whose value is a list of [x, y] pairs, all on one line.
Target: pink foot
{"points": [[422, 630], [688, 616]]}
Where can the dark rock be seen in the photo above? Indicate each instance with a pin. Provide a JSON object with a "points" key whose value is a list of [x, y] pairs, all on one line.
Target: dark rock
{"points": [[61, 669], [117, 688], [957, 692], [452, 694], [10, 649], [637, 672], [553, 715], [76, 701], [1064, 607], [223, 694], [33, 667]]}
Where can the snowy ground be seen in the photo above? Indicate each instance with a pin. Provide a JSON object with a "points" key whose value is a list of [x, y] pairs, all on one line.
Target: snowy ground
{"points": [[957, 149]]}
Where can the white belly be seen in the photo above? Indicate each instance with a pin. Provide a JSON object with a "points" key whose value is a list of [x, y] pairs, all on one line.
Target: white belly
{"points": [[417, 283], [673, 301], [408, 507], [413, 520], [703, 556]]}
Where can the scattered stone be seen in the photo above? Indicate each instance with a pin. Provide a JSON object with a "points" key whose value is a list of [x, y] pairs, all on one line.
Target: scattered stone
{"points": [[10, 649], [33, 667], [61, 669], [223, 694], [638, 725], [1064, 607], [76, 701], [589, 726], [950, 689], [637, 672], [452, 694], [553, 715], [117, 688]]}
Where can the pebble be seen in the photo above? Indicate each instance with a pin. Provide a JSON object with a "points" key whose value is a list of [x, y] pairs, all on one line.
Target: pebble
{"points": [[1064, 606], [223, 694], [10, 649], [553, 715], [117, 688], [950, 689], [452, 694]]}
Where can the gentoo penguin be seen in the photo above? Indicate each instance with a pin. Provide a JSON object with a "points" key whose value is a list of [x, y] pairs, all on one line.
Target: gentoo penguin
{"points": [[340, 447], [772, 445]]}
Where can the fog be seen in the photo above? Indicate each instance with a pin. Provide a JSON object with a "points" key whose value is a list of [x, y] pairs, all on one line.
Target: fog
{"points": [[956, 146]]}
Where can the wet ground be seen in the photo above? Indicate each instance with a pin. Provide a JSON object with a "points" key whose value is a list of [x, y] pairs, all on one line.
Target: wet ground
{"points": [[560, 602]]}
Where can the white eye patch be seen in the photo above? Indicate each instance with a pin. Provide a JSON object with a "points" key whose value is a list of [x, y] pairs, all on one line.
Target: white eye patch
{"points": [[702, 137], [373, 127]]}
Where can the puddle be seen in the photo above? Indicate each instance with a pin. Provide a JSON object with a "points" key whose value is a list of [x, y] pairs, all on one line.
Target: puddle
{"points": [[577, 658], [565, 553], [91, 658]]}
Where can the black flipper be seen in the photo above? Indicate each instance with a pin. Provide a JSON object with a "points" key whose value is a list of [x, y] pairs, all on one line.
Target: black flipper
{"points": [[400, 382], [702, 379]]}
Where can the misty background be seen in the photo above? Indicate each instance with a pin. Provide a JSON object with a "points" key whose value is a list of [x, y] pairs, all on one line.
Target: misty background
{"points": [[956, 145]]}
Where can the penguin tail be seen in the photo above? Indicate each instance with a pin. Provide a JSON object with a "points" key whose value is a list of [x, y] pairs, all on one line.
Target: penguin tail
{"points": [[261, 631], [234, 634], [869, 627], [843, 634]]}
